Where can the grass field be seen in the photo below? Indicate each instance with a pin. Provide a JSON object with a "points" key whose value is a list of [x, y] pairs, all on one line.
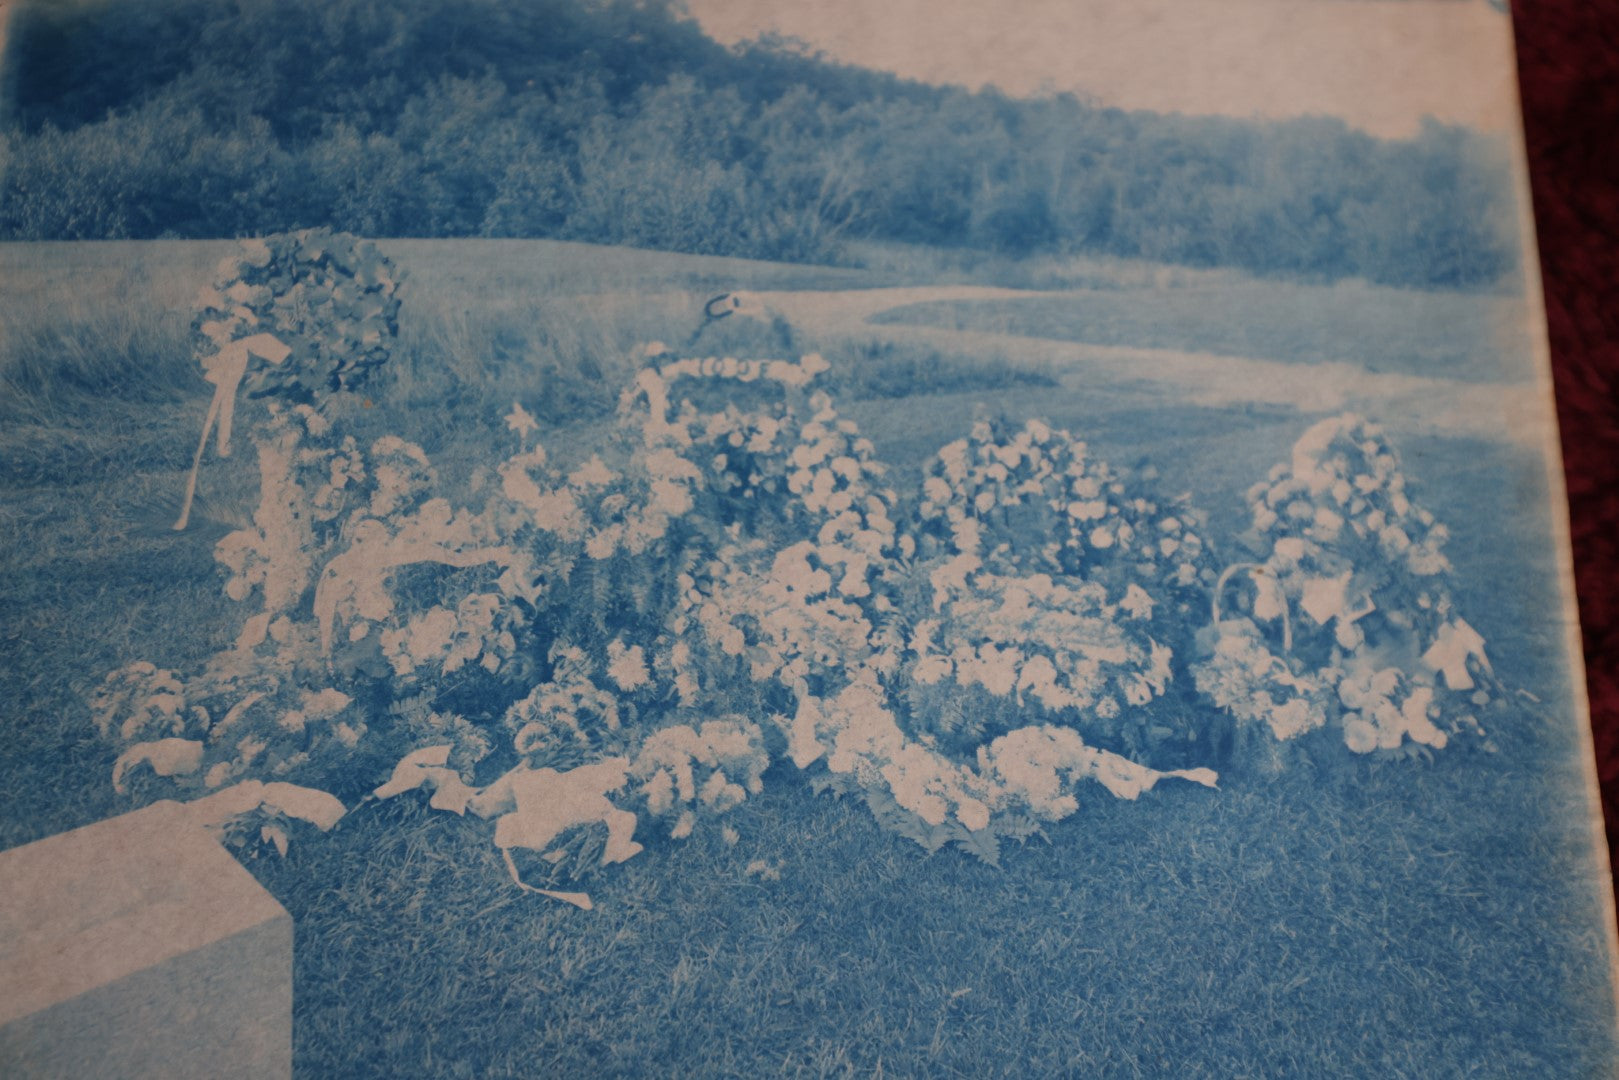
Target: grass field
{"points": [[1454, 335], [1413, 920]]}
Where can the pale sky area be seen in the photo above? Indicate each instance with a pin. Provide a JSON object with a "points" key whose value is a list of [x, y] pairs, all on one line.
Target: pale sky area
{"points": [[1379, 64]]}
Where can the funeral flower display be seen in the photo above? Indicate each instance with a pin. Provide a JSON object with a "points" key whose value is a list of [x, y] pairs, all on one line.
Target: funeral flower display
{"points": [[1349, 624], [599, 648]]}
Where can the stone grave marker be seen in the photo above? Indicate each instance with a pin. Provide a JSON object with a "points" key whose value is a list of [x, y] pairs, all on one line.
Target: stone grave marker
{"points": [[138, 947]]}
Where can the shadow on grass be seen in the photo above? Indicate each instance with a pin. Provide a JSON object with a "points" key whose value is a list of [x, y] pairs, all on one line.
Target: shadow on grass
{"points": [[1368, 926]]}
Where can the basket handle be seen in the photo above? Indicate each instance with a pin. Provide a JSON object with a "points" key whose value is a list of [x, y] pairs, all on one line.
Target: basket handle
{"points": [[1255, 570]]}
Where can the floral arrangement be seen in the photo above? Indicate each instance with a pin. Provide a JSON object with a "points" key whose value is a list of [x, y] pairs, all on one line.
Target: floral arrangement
{"points": [[317, 310], [728, 588], [330, 298], [1353, 574], [1081, 627]]}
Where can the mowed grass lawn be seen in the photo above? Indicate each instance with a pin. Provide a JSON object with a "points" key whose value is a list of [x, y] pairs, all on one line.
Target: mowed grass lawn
{"points": [[1402, 920]]}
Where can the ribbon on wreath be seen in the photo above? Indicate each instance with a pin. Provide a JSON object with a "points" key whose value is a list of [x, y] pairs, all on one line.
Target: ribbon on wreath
{"points": [[226, 369]]}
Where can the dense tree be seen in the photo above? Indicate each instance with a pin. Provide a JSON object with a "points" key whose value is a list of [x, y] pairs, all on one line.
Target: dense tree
{"points": [[618, 121]]}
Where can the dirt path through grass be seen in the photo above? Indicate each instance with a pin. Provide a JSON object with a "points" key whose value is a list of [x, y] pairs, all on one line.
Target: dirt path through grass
{"points": [[1407, 404]]}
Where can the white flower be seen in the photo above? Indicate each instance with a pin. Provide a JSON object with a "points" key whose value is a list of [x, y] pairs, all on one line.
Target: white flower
{"points": [[1327, 524], [952, 577], [972, 814], [1290, 549], [953, 457], [602, 544], [1415, 713], [431, 634], [967, 535], [521, 421], [1348, 635], [670, 498], [1359, 736], [627, 666], [1136, 603], [932, 669], [1294, 717], [995, 669], [593, 473]]}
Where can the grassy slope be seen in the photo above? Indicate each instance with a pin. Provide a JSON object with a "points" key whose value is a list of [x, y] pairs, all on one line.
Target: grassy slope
{"points": [[1453, 335], [1402, 921]]}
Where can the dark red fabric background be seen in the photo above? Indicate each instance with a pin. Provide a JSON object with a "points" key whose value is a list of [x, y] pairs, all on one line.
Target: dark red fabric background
{"points": [[1568, 64]]}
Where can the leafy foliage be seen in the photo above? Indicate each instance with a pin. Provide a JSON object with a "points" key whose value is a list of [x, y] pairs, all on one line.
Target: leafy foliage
{"points": [[623, 123]]}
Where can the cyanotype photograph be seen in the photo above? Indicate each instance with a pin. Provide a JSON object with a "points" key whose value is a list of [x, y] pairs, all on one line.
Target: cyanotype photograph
{"points": [[734, 538]]}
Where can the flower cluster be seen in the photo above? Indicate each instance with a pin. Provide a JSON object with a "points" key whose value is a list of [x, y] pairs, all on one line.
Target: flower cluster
{"points": [[1352, 570], [813, 605], [478, 630], [601, 510], [139, 701], [1058, 645], [682, 770], [764, 460], [330, 298], [857, 734], [988, 494], [786, 619], [240, 717], [1242, 676], [731, 550], [341, 535], [1028, 774], [802, 573], [1384, 706], [1057, 584], [568, 717], [1037, 767]]}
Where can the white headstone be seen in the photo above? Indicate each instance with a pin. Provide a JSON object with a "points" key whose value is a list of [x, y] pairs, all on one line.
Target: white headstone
{"points": [[138, 947]]}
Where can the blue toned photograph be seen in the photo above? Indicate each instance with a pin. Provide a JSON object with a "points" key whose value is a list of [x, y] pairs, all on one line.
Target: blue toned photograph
{"points": [[737, 538]]}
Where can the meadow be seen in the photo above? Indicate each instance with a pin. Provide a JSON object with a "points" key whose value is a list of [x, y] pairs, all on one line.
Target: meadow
{"points": [[1467, 337], [1417, 918]]}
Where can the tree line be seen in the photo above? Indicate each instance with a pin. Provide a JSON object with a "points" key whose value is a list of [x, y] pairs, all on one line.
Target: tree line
{"points": [[619, 121]]}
